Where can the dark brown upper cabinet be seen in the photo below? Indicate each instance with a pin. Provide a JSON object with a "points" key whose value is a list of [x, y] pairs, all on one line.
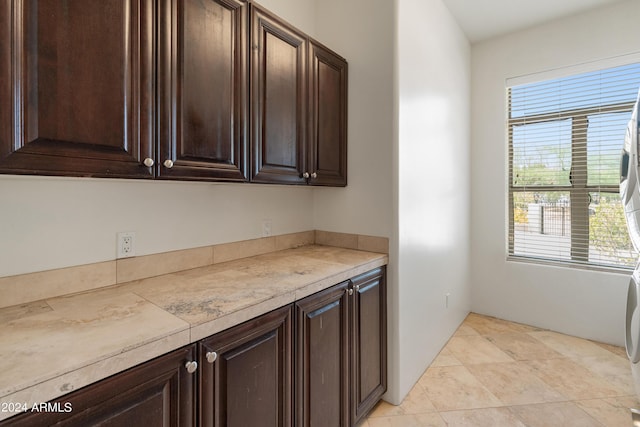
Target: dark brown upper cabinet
{"points": [[278, 104], [76, 84], [327, 159], [298, 106], [202, 90], [218, 90]]}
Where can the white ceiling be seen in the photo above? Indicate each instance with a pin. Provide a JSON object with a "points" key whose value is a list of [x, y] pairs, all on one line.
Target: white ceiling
{"points": [[483, 19]]}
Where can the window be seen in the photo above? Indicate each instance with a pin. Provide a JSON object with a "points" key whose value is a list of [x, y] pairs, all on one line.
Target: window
{"points": [[565, 139]]}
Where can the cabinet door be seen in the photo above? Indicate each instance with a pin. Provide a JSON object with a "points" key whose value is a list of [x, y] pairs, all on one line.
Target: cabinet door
{"points": [[6, 92], [246, 374], [278, 105], [322, 363], [369, 345], [157, 393], [327, 117], [77, 89], [203, 84]]}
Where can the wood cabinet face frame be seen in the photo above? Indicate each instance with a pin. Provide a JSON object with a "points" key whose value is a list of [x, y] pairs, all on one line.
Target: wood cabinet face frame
{"points": [[7, 142]]}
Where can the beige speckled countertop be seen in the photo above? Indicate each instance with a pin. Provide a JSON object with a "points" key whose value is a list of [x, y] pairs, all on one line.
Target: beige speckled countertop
{"points": [[49, 348]]}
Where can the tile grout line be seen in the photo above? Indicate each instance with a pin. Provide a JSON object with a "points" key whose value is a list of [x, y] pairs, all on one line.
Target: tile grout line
{"points": [[611, 403]]}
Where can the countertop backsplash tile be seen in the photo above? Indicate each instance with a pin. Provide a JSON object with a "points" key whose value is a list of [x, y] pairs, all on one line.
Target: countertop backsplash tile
{"points": [[26, 288]]}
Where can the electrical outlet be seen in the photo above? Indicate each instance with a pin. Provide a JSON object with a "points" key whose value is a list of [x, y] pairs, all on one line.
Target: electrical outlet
{"points": [[126, 244], [266, 228]]}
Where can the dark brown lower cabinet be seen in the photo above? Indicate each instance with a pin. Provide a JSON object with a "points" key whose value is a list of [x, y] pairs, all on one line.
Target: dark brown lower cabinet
{"points": [[157, 393], [341, 352], [322, 353], [369, 343], [246, 374], [328, 372]]}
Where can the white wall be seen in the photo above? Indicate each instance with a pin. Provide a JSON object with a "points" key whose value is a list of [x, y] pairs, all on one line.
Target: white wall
{"points": [[578, 302], [409, 75], [51, 223], [409, 78], [299, 13], [433, 66], [364, 206]]}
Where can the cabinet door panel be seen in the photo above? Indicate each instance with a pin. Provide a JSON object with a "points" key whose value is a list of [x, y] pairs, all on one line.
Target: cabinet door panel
{"points": [[203, 80], [328, 117], [82, 86], [252, 390], [157, 393], [280, 75], [322, 364], [278, 71], [369, 345], [249, 384], [203, 89]]}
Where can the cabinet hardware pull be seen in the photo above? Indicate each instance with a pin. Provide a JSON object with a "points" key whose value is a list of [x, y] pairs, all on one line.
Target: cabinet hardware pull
{"points": [[168, 163], [357, 288], [191, 366], [211, 356], [305, 175], [148, 162], [350, 291], [314, 175]]}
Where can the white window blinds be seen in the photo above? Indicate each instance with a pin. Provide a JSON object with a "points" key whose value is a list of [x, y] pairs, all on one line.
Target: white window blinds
{"points": [[565, 139]]}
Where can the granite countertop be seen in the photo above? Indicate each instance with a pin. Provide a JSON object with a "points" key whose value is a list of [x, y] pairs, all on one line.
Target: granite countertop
{"points": [[49, 348]]}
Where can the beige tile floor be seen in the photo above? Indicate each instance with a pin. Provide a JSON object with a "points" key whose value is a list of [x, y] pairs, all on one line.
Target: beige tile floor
{"points": [[497, 373]]}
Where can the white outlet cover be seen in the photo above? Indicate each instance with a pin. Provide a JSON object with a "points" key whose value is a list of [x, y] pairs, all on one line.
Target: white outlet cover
{"points": [[126, 244]]}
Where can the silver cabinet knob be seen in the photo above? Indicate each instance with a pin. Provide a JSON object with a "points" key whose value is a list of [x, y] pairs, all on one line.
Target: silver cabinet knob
{"points": [[305, 175], [357, 287], [314, 175], [148, 162], [211, 356], [191, 366], [168, 163], [350, 291]]}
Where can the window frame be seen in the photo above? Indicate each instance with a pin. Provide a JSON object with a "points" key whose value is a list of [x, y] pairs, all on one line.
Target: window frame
{"points": [[578, 188]]}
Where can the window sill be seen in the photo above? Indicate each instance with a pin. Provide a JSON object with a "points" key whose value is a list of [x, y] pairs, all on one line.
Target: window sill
{"points": [[570, 264]]}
